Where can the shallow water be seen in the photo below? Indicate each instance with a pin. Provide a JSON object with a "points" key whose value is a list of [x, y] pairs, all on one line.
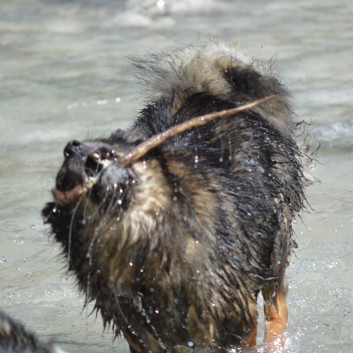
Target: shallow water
{"points": [[65, 74]]}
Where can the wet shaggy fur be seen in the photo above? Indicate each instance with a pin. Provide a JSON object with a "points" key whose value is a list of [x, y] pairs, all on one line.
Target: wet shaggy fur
{"points": [[14, 338], [175, 248]]}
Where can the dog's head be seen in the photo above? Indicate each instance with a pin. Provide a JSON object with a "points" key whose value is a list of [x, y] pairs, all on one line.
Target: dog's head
{"points": [[92, 189], [91, 168]]}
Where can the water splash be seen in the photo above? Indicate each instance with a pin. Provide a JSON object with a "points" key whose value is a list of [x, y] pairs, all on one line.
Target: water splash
{"points": [[337, 134]]}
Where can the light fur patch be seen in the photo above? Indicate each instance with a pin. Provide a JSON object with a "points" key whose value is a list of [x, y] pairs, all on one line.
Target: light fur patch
{"points": [[195, 69], [151, 199], [201, 68]]}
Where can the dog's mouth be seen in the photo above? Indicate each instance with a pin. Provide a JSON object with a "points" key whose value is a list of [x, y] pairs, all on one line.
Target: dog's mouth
{"points": [[81, 170], [71, 196]]}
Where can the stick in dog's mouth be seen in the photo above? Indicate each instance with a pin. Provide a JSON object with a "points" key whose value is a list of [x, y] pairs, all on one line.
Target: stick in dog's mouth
{"points": [[71, 196], [139, 151], [128, 158]]}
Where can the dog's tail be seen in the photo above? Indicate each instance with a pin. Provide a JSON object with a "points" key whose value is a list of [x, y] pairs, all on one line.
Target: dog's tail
{"points": [[215, 69]]}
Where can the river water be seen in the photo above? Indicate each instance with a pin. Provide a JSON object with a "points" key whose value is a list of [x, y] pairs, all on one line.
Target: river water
{"points": [[65, 73]]}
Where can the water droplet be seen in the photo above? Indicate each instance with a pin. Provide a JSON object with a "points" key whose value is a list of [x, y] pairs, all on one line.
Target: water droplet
{"points": [[137, 303], [190, 343]]}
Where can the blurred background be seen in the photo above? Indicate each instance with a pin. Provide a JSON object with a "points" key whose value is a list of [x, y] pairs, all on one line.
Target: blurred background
{"points": [[65, 73]]}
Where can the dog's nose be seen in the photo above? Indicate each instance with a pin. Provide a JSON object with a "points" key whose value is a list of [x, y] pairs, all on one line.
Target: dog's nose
{"points": [[73, 148]]}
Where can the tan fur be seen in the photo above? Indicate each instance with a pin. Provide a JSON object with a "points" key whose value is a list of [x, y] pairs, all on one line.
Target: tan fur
{"points": [[201, 68], [192, 70]]}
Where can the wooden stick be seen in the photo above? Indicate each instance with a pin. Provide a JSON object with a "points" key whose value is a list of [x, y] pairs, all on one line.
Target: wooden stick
{"points": [[71, 196], [140, 150]]}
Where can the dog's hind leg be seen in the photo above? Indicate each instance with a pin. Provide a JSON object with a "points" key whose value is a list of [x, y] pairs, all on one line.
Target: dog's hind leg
{"points": [[249, 340], [276, 315]]}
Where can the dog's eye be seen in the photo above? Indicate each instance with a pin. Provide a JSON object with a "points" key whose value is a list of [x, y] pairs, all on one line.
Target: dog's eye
{"points": [[99, 159], [106, 153]]}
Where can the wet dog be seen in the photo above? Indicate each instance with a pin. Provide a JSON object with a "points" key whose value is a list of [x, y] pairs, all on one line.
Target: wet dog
{"points": [[14, 338], [173, 238]]}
